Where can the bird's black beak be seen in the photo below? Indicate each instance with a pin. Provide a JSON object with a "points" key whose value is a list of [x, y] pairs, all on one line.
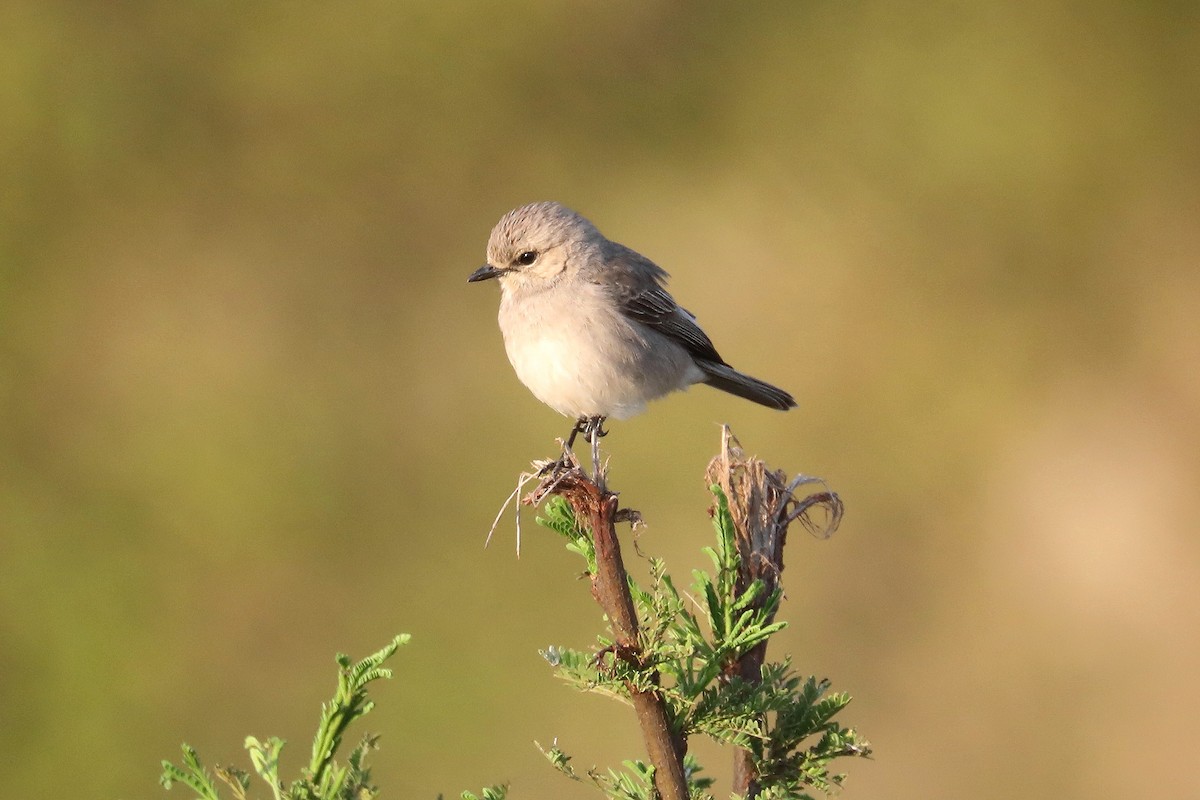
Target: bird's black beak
{"points": [[483, 273]]}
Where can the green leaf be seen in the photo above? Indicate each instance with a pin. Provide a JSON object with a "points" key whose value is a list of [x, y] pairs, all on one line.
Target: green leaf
{"points": [[325, 779], [265, 758], [497, 792], [194, 776], [559, 517], [348, 704]]}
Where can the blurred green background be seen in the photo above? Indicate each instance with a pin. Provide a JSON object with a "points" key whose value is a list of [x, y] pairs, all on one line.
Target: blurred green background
{"points": [[253, 414]]}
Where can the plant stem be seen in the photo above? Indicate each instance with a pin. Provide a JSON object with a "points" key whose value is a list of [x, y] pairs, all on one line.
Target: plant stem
{"points": [[610, 588], [745, 773]]}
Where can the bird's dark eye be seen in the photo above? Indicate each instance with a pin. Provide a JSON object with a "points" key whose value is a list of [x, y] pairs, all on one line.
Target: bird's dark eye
{"points": [[527, 258]]}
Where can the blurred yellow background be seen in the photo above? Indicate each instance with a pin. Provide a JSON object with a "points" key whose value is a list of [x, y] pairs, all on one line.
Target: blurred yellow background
{"points": [[253, 414]]}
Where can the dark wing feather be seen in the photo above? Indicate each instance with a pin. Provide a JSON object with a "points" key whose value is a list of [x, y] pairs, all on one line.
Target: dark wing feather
{"points": [[638, 283]]}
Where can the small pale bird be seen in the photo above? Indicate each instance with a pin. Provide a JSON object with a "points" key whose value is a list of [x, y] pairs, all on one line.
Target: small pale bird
{"points": [[589, 326]]}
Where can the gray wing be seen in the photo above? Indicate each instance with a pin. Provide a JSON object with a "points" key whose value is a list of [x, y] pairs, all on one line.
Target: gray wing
{"points": [[638, 283]]}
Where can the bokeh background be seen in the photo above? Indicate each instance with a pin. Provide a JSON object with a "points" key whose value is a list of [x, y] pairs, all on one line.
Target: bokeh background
{"points": [[253, 415]]}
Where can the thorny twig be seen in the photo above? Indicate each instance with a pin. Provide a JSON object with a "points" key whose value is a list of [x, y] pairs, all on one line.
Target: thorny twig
{"points": [[542, 469], [596, 509], [763, 503]]}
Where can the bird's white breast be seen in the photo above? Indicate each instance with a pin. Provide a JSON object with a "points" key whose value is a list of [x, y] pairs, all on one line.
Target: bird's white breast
{"points": [[581, 356]]}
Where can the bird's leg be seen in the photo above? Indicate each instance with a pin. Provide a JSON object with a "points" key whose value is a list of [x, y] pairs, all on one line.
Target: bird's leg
{"points": [[593, 429], [563, 461], [580, 427]]}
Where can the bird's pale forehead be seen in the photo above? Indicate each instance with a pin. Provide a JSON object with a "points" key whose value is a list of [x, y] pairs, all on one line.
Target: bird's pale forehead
{"points": [[536, 226]]}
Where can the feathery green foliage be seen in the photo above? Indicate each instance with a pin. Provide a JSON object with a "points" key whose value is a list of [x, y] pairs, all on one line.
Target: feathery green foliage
{"points": [[636, 782], [558, 516], [689, 652], [325, 778], [498, 792]]}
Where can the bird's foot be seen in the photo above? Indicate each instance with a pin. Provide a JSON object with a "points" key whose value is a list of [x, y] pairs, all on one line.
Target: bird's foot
{"points": [[592, 429], [564, 463]]}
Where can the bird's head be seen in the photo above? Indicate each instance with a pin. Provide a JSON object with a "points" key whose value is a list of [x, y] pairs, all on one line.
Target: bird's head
{"points": [[534, 244]]}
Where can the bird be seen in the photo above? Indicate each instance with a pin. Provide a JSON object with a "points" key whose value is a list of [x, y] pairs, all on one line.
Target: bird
{"points": [[589, 326]]}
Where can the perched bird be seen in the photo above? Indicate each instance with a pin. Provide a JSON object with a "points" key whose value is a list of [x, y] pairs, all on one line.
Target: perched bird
{"points": [[589, 326]]}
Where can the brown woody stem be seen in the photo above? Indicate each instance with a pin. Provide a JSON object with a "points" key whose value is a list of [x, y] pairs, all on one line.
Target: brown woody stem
{"points": [[610, 587]]}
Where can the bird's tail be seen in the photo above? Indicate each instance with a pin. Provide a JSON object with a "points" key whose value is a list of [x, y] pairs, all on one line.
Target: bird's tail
{"points": [[728, 379]]}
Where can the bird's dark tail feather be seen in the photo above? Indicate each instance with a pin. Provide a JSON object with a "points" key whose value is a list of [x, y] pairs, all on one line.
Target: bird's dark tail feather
{"points": [[728, 379]]}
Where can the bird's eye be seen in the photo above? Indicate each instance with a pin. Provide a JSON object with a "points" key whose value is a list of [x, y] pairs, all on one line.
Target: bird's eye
{"points": [[527, 258]]}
